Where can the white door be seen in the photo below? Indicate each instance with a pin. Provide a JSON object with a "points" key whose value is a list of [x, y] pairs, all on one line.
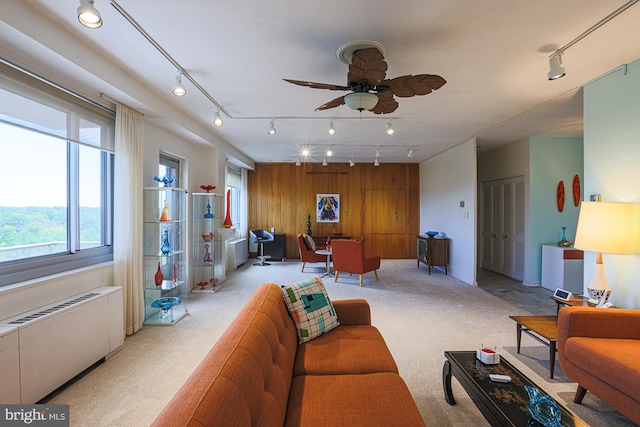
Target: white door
{"points": [[503, 227]]}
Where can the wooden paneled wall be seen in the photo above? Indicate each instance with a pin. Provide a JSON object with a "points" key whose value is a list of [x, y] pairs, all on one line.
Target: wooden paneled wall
{"points": [[379, 205]]}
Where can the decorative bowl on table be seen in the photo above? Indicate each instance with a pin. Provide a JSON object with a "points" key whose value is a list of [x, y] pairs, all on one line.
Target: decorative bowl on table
{"points": [[165, 304], [166, 180], [432, 233]]}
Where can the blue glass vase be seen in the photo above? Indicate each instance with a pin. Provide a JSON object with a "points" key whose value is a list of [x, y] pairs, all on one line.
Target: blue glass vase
{"points": [[166, 246], [543, 408]]}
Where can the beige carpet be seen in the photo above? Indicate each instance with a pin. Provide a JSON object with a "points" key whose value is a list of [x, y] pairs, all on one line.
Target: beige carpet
{"points": [[419, 315]]}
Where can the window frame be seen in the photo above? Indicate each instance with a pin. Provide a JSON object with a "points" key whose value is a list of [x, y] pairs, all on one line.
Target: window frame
{"points": [[27, 85]]}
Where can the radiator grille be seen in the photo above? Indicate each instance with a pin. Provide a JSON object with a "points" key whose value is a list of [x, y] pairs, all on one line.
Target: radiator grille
{"points": [[53, 309]]}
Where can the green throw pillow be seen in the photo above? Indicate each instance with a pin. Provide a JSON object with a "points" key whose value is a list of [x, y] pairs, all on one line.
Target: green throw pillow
{"points": [[310, 308]]}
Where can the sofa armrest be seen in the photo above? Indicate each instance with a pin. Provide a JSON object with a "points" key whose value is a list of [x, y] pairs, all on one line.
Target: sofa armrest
{"points": [[352, 312], [598, 323]]}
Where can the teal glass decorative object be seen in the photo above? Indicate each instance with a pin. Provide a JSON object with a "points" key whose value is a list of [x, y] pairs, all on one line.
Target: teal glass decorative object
{"points": [[166, 246], [166, 180], [543, 408], [166, 304], [208, 214]]}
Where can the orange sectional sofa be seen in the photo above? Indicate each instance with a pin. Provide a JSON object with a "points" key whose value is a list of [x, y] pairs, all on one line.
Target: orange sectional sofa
{"points": [[600, 350], [257, 374]]}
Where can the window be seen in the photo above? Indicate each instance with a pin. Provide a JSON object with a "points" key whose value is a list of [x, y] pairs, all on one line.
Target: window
{"points": [[234, 184], [56, 201], [169, 167]]}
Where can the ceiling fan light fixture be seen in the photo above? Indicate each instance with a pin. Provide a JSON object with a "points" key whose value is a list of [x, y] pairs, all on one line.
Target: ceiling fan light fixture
{"points": [[361, 100], [88, 15], [217, 120], [272, 128], [331, 130], [178, 87], [390, 129], [556, 70]]}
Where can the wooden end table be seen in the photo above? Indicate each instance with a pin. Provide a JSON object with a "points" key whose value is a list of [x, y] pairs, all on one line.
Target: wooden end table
{"points": [[543, 329]]}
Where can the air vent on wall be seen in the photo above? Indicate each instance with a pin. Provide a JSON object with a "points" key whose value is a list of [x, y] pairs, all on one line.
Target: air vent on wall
{"points": [[53, 309]]}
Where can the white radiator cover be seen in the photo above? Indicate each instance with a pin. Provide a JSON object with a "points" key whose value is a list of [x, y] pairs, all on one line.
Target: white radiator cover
{"points": [[238, 250], [60, 340]]}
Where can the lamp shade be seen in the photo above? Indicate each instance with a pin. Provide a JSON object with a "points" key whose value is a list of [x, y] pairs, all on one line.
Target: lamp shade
{"points": [[361, 100], [605, 228]]}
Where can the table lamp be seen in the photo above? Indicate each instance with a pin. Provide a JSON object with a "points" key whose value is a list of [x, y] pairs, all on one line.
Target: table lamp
{"points": [[604, 228]]}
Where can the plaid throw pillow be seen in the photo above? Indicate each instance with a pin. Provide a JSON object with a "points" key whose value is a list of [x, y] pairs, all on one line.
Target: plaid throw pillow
{"points": [[310, 308]]}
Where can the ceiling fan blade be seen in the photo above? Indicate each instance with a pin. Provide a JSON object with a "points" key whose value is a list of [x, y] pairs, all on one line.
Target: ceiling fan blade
{"points": [[386, 104], [332, 104], [316, 85], [420, 84], [367, 64]]}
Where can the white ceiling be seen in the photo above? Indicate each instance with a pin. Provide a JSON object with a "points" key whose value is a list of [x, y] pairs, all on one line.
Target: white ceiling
{"points": [[493, 54]]}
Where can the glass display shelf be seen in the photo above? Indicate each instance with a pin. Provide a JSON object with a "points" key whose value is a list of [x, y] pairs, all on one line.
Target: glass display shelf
{"points": [[165, 269], [207, 218]]}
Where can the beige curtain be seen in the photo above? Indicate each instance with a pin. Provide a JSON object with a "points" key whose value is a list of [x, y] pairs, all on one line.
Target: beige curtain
{"points": [[127, 218]]}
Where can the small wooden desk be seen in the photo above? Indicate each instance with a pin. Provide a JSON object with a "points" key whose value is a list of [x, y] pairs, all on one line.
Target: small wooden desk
{"points": [[543, 329]]}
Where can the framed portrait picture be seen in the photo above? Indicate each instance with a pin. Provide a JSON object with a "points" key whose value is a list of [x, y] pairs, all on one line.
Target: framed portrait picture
{"points": [[327, 208]]}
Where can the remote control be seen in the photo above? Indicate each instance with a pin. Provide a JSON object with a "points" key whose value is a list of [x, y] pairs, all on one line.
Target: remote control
{"points": [[500, 378]]}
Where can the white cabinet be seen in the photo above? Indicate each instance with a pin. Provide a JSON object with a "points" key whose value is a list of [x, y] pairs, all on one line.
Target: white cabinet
{"points": [[562, 268], [9, 365]]}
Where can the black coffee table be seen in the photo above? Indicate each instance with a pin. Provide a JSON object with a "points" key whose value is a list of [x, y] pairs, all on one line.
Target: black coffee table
{"points": [[501, 404]]}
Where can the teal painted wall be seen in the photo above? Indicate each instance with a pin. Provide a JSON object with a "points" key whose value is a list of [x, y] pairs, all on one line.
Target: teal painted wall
{"points": [[552, 159], [612, 167]]}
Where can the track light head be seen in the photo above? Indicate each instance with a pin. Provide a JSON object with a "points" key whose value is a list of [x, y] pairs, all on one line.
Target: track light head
{"points": [[298, 161], [217, 120], [410, 152], [331, 130], [376, 162], [324, 162], [88, 15], [378, 154], [556, 70], [329, 152], [178, 87], [390, 129], [272, 128], [352, 163]]}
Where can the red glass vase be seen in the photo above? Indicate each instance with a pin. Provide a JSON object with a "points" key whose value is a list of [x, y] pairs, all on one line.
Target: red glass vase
{"points": [[227, 220], [158, 277]]}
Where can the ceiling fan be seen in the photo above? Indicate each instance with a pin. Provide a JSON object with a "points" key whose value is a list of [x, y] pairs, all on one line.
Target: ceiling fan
{"points": [[366, 79]]}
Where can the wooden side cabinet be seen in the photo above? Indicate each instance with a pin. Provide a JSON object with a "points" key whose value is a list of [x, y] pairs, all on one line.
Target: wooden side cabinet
{"points": [[433, 251]]}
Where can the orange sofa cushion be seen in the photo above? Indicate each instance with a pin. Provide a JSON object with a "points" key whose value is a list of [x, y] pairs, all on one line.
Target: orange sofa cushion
{"points": [[379, 399], [345, 350], [613, 361]]}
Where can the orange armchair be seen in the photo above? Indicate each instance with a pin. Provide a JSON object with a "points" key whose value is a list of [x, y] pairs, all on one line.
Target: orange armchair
{"points": [[307, 254], [348, 256]]}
